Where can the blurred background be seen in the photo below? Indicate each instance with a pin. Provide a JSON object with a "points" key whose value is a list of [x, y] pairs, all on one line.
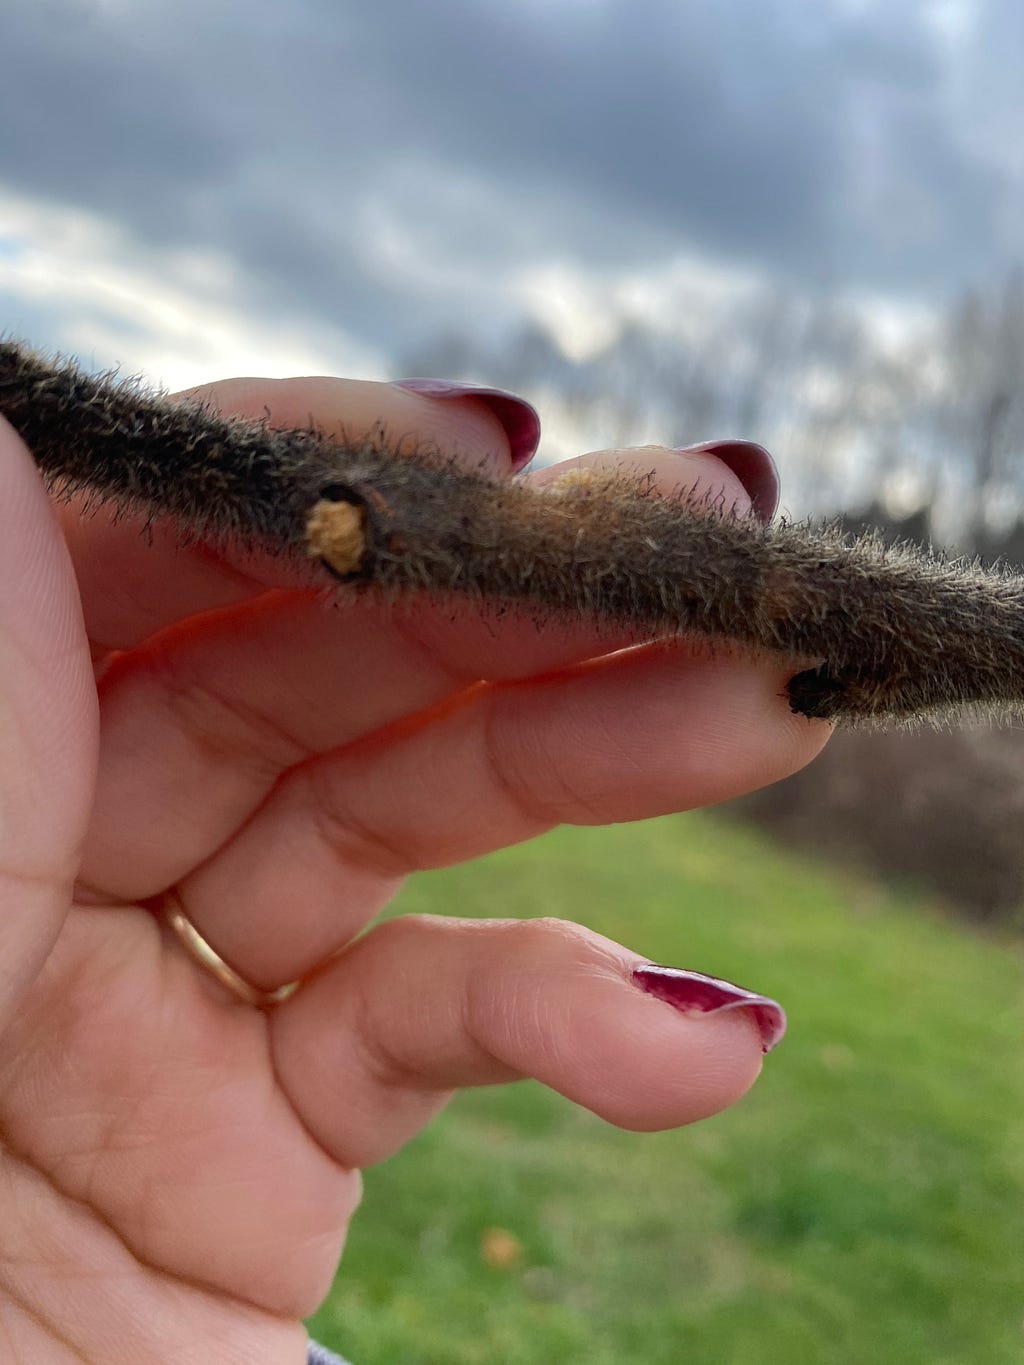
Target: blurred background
{"points": [[798, 222]]}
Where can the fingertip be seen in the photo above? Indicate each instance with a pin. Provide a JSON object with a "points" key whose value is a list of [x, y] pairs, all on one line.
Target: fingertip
{"points": [[695, 476], [713, 1071], [480, 428], [755, 468], [519, 419], [34, 565], [15, 459], [647, 1068], [564, 1005]]}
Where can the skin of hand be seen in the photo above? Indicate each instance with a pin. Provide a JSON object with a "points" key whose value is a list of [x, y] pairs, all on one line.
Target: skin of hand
{"points": [[177, 1168]]}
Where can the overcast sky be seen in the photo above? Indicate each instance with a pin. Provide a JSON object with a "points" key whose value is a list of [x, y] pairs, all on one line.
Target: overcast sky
{"points": [[319, 185]]}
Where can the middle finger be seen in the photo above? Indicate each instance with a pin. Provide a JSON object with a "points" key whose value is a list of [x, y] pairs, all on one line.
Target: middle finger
{"points": [[199, 722]]}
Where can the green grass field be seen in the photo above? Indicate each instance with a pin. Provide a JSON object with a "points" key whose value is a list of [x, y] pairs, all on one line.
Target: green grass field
{"points": [[864, 1204]]}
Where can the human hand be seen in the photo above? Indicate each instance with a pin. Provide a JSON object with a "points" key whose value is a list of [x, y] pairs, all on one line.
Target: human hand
{"points": [[177, 1168]]}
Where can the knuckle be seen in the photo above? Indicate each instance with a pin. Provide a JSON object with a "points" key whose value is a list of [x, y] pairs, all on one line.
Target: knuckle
{"points": [[547, 934]]}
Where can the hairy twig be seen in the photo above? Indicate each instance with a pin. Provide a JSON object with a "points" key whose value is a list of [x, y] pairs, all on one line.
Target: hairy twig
{"points": [[896, 634]]}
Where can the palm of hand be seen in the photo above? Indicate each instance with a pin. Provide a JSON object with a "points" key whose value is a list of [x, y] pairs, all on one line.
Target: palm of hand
{"points": [[177, 1169]]}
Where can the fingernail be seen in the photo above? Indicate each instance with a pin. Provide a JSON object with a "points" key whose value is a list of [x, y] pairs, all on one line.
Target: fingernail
{"points": [[519, 418], [695, 993], [754, 468]]}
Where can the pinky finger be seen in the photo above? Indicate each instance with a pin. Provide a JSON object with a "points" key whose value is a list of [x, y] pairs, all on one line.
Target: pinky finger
{"points": [[368, 1050]]}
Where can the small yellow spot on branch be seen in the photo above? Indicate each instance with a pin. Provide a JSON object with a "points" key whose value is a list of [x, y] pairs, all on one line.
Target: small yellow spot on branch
{"points": [[336, 533]]}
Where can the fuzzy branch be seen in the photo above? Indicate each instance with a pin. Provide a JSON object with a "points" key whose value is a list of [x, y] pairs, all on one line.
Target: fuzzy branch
{"points": [[895, 634]]}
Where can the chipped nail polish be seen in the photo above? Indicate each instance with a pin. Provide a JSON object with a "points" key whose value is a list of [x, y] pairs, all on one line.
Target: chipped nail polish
{"points": [[695, 993]]}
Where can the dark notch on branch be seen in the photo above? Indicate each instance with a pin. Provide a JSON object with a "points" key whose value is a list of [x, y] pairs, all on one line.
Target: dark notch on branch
{"points": [[895, 634]]}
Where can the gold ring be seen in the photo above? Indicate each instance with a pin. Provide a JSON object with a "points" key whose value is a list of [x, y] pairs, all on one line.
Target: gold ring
{"points": [[200, 951]]}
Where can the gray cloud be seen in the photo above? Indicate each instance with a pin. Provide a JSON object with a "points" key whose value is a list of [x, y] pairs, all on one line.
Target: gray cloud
{"points": [[809, 141]]}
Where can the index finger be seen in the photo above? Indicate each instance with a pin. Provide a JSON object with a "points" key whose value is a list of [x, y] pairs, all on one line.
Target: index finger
{"points": [[136, 578]]}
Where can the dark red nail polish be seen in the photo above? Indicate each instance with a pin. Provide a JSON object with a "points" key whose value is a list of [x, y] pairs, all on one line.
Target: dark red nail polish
{"points": [[695, 993], [754, 468], [519, 418]]}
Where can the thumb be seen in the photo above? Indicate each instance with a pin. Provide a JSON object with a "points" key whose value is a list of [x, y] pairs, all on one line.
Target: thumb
{"points": [[48, 723]]}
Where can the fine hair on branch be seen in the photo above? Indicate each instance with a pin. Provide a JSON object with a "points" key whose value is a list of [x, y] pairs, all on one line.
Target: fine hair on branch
{"points": [[890, 634]]}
